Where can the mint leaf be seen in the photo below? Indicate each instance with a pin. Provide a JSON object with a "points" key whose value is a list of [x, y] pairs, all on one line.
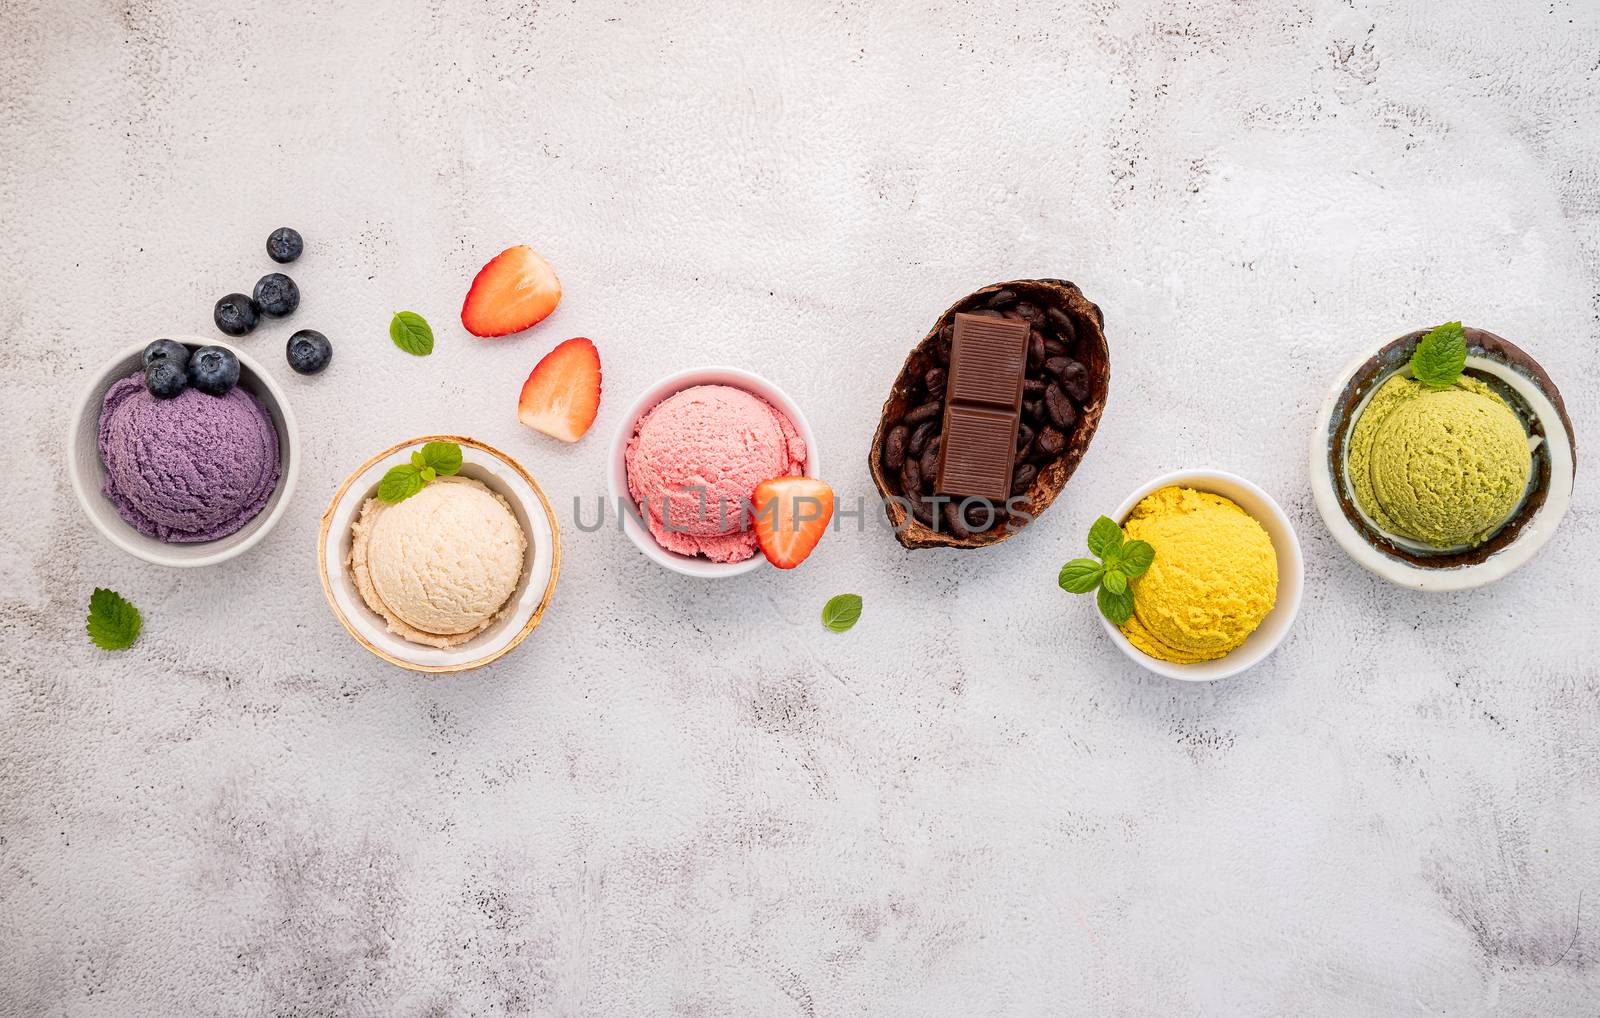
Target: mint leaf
{"points": [[1104, 537], [841, 612], [433, 460], [1080, 576], [1119, 562], [1115, 580], [113, 623], [1134, 557], [1118, 608], [411, 333], [1440, 356], [444, 457], [400, 483]]}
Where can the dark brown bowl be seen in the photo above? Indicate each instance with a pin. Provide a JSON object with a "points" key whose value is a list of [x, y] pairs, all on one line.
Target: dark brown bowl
{"points": [[1087, 345], [1340, 416]]}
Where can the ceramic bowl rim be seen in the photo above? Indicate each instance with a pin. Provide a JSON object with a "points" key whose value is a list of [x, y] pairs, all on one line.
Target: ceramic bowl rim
{"points": [[226, 547], [1536, 531], [1291, 579], [653, 394]]}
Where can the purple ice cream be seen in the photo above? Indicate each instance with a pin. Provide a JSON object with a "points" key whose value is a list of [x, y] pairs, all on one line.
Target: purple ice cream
{"points": [[188, 469]]}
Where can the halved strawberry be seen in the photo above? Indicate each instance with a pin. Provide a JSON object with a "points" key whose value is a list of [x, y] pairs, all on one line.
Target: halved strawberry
{"points": [[562, 393], [515, 290], [791, 515]]}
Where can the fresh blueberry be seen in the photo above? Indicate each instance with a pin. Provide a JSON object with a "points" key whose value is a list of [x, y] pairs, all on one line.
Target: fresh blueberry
{"points": [[276, 295], [236, 314], [309, 351], [213, 370], [167, 350], [284, 245], [164, 378]]}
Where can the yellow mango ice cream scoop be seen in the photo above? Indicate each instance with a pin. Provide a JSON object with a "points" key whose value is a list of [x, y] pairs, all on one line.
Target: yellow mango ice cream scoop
{"points": [[1213, 579]]}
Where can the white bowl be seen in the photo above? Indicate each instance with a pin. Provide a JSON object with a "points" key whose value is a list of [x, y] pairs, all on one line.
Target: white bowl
{"points": [[88, 472], [1407, 563], [541, 564], [617, 468], [1291, 576]]}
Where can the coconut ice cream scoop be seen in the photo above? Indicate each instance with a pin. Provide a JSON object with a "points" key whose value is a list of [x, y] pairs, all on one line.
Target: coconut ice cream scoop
{"points": [[441, 565]]}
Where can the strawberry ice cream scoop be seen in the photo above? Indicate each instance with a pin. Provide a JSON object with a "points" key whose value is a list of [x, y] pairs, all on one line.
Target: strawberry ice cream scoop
{"points": [[694, 462]]}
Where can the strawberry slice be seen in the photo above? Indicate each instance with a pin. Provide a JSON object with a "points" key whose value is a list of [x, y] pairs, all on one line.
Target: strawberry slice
{"points": [[562, 393], [515, 290], [791, 515]]}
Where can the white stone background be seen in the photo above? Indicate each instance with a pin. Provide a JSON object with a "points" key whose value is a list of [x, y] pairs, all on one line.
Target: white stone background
{"points": [[686, 798]]}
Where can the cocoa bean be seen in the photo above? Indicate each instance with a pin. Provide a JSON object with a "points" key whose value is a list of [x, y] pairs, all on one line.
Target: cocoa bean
{"points": [[1064, 326], [1062, 414], [930, 460], [911, 478], [1074, 379], [981, 515], [1050, 442], [1022, 478], [894, 448], [952, 519], [1035, 349]]}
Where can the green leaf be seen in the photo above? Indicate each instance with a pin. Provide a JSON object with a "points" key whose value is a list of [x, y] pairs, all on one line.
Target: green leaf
{"points": [[428, 474], [113, 623], [1118, 608], [1134, 557], [1105, 536], [1080, 576], [841, 612], [444, 457], [417, 460], [1440, 356], [1116, 581], [411, 333], [400, 483]]}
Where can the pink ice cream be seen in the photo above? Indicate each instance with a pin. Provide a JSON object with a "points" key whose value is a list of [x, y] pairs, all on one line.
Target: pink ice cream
{"points": [[188, 469], [704, 450]]}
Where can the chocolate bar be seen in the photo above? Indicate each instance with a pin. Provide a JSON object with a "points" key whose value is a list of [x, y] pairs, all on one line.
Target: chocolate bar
{"points": [[983, 406]]}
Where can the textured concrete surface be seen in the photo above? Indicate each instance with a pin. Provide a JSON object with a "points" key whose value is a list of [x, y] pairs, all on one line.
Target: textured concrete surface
{"points": [[681, 798]]}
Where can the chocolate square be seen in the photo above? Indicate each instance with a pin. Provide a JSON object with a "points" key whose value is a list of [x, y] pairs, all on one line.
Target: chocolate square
{"points": [[983, 406]]}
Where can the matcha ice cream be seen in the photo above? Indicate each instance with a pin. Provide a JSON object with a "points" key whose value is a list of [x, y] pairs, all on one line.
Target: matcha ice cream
{"points": [[1213, 579], [1445, 467]]}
